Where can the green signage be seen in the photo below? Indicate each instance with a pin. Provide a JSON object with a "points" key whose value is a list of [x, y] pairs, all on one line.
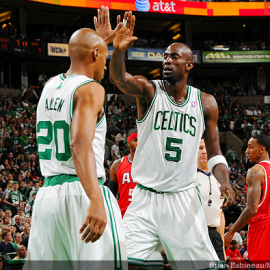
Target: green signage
{"points": [[236, 57]]}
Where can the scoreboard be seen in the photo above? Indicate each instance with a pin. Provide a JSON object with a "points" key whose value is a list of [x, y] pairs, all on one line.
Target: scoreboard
{"points": [[21, 46]]}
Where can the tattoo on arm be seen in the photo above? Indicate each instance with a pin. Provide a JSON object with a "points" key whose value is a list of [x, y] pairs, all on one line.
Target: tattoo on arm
{"points": [[116, 164]]}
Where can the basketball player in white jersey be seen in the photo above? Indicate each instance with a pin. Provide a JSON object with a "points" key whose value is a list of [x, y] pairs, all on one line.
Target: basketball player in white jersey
{"points": [[172, 116], [73, 210]]}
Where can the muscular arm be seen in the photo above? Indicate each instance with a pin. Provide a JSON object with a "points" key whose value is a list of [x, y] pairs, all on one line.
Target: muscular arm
{"points": [[88, 103], [211, 137], [255, 180], [113, 184], [137, 86]]}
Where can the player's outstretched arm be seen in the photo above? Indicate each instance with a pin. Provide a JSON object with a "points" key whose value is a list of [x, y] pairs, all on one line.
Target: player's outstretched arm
{"points": [[211, 137], [123, 41], [113, 184], [255, 178], [88, 103], [103, 25]]}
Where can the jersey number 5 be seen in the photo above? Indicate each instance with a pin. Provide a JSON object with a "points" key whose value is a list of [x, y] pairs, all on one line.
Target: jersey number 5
{"points": [[176, 156], [59, 132]]}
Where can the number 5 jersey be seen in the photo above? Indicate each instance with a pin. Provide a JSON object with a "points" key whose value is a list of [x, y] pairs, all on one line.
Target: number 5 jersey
{"points": [[168, 141]]}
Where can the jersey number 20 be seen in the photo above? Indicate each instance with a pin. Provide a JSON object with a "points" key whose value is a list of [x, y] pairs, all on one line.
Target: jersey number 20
{"points": [[59, 132]]}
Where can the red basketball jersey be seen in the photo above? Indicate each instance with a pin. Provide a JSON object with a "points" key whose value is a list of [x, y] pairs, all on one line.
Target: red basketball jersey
{"points": [[259, 225], [125, 184]]}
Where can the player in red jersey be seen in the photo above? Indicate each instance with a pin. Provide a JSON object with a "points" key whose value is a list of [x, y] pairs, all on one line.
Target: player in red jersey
{"points": [[120, 173], [257, 212]]}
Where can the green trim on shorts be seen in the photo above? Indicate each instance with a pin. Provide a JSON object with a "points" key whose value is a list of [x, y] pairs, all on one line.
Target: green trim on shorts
{"points": [[63, 178], [150, 189], [112, 228], [119, 249], [199, 195]]}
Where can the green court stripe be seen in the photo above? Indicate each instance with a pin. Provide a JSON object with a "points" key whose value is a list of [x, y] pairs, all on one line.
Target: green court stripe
{"points": [[114, 243], [201, 107], [149, 109], [119, 250]]}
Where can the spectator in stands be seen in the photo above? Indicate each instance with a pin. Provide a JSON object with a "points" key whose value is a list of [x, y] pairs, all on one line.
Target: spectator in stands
{"points": [[233, 253], [30, 94], [232, 156], [5, 245], [113, 109], [21, 253], [13, 198], [242, 203], [42, 79], [17, 240], [115, 150], [18, 223], [232, 212]]}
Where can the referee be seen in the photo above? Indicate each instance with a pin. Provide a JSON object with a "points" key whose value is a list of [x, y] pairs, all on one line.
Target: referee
{"points": [[209, 189]]}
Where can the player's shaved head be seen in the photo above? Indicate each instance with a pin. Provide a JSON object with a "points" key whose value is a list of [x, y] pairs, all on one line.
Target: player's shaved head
{"points": [[84, 41], [183, 49]]}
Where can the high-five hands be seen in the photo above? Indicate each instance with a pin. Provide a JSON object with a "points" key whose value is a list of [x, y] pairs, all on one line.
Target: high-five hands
{"points": [[124, 37], [103, 25]]}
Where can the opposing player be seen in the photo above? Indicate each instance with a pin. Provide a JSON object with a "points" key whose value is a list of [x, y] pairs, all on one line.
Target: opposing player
{"points": [[172, 117], [209, 189], [257, 211], [121, 179], [71, 130]]}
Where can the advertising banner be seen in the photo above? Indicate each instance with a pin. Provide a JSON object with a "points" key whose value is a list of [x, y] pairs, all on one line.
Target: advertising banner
{"points": [[174, 6], [146, 54], [58, 49], [236, 57]]}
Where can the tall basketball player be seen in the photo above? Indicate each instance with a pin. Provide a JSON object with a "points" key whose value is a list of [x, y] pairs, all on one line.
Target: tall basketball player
{"points": [[172, 117]]}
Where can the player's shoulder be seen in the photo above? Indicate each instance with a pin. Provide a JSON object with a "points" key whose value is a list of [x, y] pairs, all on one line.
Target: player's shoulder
{"points": [[116, 164]]}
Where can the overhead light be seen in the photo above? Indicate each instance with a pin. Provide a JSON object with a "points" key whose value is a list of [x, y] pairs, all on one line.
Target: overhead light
{"points": [[220, 48], [244, 25], [176, 37]]}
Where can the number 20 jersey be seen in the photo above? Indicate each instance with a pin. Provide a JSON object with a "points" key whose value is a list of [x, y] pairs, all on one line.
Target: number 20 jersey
{"points": [[54, 119], [169, 135]]}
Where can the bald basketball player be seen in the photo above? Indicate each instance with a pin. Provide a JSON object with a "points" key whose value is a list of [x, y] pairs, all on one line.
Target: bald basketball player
{"points": [[172, 117], [73, 210]]}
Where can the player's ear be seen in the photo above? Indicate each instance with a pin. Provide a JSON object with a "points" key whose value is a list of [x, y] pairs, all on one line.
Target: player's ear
{"points": [[189, 65], [95, 54]]}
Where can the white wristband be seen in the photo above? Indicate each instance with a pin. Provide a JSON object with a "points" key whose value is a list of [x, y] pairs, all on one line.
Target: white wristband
{"points": [[212, 162]]}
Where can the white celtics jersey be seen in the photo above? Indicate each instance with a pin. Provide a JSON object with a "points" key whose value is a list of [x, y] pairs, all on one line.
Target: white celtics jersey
{"points": [[54, 118], [168, 141]]}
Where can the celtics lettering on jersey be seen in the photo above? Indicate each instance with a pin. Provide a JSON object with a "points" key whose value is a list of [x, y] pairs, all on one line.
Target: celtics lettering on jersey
{"points": [[169, 136], [170, 120]]}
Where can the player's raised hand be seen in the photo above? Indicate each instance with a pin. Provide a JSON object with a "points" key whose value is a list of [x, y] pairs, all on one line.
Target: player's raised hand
{"points": [[103, 25], [124, 37], [95, 221], [226, 190]]}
